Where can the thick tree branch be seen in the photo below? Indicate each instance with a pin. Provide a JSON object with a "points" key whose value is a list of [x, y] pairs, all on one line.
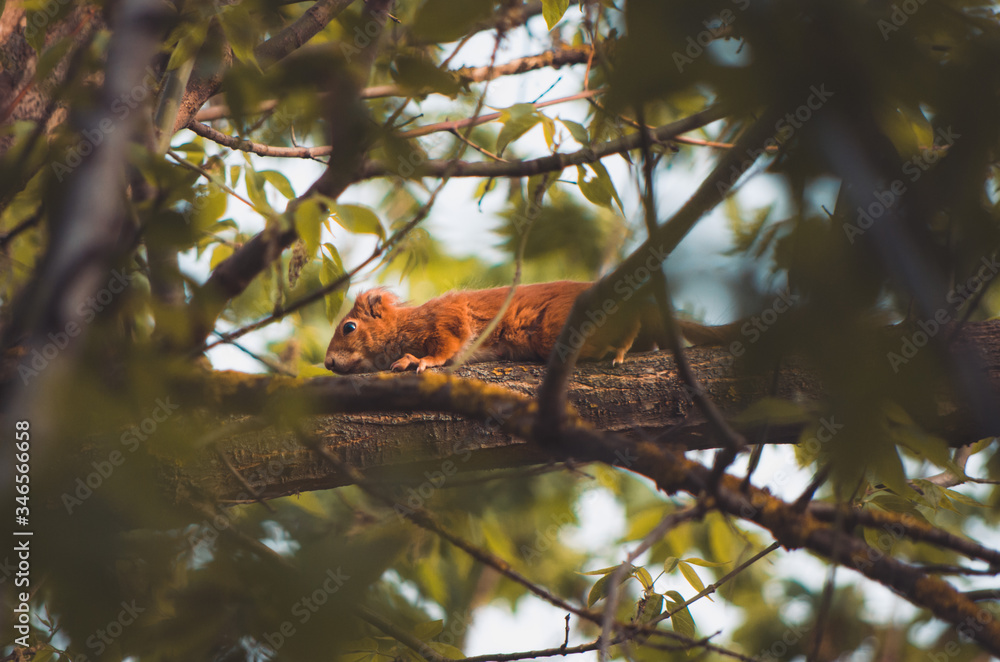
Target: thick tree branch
{"points": [[513, 414], [643, 399]]}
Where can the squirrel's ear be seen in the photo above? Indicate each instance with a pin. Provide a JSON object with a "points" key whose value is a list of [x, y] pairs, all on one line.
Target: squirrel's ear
{"points": [[375, 302]]}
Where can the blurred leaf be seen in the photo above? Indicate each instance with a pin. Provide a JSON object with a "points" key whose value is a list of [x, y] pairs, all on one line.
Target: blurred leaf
{"points": [[221, 252], [331, 271], [691, 576], [602, 571], [448, 20], [192, 36], [650, 606], [576, 130], [420, 76], [446, 650], [358, 219], [600, 590], [428, 630], [309, 217], [704, 563], [644, 578], [772, 411], [255, 191], [553, 10], [549, 131], [517, 120], [682, 621], [280, 182], [241, 30]]}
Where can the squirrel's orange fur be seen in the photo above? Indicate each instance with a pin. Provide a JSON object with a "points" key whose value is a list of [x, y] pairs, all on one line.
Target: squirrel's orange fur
{"points": [[379, 333]]}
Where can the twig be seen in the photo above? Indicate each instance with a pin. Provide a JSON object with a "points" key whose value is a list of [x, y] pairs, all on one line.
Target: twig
{"points": [[489, 117], [243, 481], [235, 142], [712, 588], [473, 347], [476, 147], [276, 367], [618, 576]]}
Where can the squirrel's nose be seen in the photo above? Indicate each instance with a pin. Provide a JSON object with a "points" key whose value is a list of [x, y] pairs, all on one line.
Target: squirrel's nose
{"points": [[329, 364]]}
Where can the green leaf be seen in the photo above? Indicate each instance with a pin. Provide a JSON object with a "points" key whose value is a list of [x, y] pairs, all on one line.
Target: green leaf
{"points": [[210, 207], [772, 411], [599, 590], [419, 75], [577, 131], [280, 182], [255, 191], [644, 578], [649, 607], [51, 58], [309, 217], [191, 39], [590, 190], [670, 564], [549, 131], [428, 630], [963, 499], [446, 650], [553, 10], [604, 180], [221, 252], [332, 269], [602, 571], [691, 576], [682, 621], [448, 20], [705, 564], [241, 32], [517, 120], [358, 219]]}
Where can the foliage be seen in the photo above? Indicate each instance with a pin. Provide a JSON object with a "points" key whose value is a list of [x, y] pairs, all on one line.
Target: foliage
{"points": [[860, 190]]}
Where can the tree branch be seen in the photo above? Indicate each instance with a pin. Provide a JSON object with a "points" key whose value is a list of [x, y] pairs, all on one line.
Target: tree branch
{"points": [[555, 59]]}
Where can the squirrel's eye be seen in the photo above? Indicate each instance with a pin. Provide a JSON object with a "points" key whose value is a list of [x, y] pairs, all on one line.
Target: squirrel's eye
{"points": [[349, 327]]}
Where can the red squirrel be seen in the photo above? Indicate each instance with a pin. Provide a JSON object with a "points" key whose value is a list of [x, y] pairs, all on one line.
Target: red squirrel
{"points": [[380, 333]]}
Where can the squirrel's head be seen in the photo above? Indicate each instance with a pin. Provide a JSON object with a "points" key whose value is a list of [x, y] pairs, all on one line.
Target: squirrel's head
{"points": [[360, 339]]}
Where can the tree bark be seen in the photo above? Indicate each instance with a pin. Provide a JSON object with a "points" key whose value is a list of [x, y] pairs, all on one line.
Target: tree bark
{"points": [[642, 399]]}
